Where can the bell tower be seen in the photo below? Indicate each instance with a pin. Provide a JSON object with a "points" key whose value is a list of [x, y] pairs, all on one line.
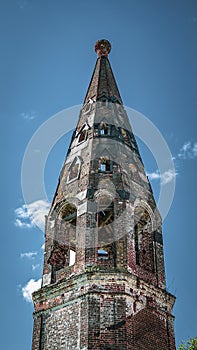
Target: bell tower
{"points": [[103, 284]]}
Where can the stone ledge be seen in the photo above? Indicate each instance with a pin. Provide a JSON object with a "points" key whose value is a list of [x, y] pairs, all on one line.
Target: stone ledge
{"points": [[68, 291]]}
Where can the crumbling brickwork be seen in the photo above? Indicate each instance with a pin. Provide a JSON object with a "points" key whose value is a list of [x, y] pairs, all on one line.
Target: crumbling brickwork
{"points": [[98, 310], [103, 283]]}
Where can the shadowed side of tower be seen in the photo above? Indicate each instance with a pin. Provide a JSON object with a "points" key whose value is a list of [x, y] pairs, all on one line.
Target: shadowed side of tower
{"points": [[103, 284]]}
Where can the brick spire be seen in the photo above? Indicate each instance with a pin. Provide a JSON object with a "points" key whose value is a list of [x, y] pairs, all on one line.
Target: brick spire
{"points": [[103, 284], [103, 85]]}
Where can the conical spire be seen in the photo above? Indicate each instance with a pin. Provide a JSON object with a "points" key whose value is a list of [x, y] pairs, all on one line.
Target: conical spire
{"points": [[103, 85], [103, 284]]}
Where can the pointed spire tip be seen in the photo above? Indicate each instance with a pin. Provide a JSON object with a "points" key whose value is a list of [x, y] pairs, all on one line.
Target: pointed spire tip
{"points": [[102, 47]]}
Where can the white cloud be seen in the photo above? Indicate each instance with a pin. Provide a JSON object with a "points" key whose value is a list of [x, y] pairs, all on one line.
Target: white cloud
{"points": [[188, 150], [28, 255], [29, 288], [28, 115], [165, 178], [168, 176], [30, 215], [43, 246], [19, 223], [154, 175]]}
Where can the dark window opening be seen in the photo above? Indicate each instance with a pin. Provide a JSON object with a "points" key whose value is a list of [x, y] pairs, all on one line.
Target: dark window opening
{"points": [[69, 213], [64, 249], [105, 164], [105, 218], [143, 239], [104, 129], [103, 254], [82, 136]]}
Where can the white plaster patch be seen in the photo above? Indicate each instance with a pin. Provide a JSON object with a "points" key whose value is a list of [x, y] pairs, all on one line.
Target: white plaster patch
{"points": [[46, 279], [81, 195], [82, 209], [52, 223]]}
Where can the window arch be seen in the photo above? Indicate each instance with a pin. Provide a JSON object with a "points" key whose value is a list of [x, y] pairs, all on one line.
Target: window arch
{"points": [[68, 219], [63, 253], [105, 164], [143, 239], [105, 218], [82, 136], [83, 133], [68, 212], [104, 129]]}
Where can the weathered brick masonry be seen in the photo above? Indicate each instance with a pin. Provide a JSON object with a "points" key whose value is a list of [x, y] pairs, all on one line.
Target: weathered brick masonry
{"points": [[103, 283]]}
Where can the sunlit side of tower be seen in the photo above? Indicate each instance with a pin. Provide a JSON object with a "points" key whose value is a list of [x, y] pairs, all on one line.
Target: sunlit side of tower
{"points": [[103, 284]]}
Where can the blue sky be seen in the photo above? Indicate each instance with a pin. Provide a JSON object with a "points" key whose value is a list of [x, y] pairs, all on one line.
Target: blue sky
{"points": [[47, 59]]}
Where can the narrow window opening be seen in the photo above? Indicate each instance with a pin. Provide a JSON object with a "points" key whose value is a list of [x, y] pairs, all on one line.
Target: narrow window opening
{"points": [[143, 239], [105, 218], [105, 164], [72, 257], [103, 167], [82, 136], [66, 234], [103, 254], [104, 129], [125, 136]]}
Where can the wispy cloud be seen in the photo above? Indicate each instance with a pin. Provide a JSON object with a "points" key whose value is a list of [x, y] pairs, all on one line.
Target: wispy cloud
{"points": [[155, 175], [30, 215], [34, 267], [28, 255], [28, 115], [188, 150], [19, 223], [165, 178], [29, 288]]}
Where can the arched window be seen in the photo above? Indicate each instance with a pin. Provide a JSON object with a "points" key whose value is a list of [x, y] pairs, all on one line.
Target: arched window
{"points": [[104, 129], [143, 239], [83, 133], [68, 227], [105, 218], [64, 251], [69, 213], [105, 165], [82, 136]]}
